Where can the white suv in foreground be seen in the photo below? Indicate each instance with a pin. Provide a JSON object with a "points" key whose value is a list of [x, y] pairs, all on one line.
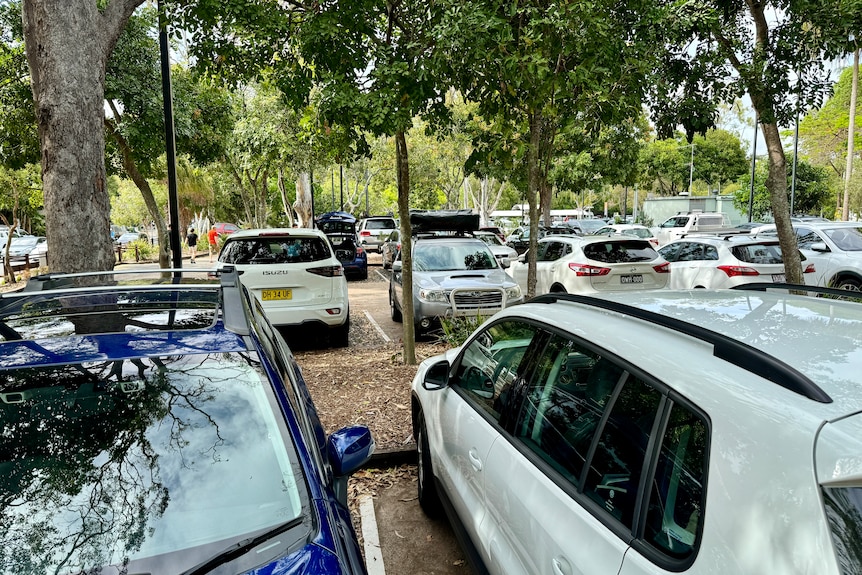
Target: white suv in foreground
{"points": [[651, 433], [295, 275]]}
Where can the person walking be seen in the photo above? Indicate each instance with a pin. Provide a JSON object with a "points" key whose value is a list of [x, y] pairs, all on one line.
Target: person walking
{"points": [[212, 239], [192, 240]]}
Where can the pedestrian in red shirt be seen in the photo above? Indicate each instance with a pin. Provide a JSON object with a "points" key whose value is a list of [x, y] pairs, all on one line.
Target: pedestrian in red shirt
{"points": [[212, 237]]}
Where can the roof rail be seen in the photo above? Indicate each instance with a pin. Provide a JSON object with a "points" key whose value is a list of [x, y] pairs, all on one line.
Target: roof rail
{"points": [[730, 350], [820, 291]]}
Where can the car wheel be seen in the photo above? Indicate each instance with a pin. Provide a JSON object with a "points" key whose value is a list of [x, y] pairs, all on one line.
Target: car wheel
{"points": [[340, 336], [393, 309], [429, 500], [850, 284]]}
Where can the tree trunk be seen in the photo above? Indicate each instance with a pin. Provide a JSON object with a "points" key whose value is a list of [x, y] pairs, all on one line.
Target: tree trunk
{"points": [[303, 204], [533, 188], [67, 44], [288, 212], [402, 169]]}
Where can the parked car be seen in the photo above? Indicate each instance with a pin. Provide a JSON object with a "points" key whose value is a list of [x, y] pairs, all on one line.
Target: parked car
{"points": [[681, 224], [637, 230], [454, 275], [225, 229], [519, 239], [340, 228], [496, 230], [374, 230], [29, 248], [164, 428], [500, 250], [294, 274], [650, 433], [389, 248], [726, 261], [835, 249], [129, 237], [586, 264], [584, 226]]}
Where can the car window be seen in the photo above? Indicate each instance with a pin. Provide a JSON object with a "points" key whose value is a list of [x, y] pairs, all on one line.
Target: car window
{"points": [[710, 253], [847, 239], [689, 252], [615, 469], [491, 364], [676, 496], [431, 257], [553, 251], [805, 237], [626, 251], [670, 252], [275, 250], [758, 253], [379, 224], [563, 403]]}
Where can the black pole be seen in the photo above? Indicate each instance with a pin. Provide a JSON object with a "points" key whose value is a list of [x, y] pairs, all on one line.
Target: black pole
{"points": [[311, 183], [341, 185], [170, 146]]}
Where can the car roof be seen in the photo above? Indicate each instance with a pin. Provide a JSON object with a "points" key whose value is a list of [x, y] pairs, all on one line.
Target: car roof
{"points": [[724, 239], [798, 341], [256, 233]]}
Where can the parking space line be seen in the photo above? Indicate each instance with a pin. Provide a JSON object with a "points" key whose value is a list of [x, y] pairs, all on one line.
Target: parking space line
{"points": [[379, 329], [370, 536], [382, 275]]}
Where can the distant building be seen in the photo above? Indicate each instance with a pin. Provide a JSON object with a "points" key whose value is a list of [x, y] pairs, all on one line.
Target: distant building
{"points": [[658, 209]]}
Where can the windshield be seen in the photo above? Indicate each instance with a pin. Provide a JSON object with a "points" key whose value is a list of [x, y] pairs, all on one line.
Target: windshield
{"points": [[490, 239], [848, 239], [430, 257], [161, 461]]}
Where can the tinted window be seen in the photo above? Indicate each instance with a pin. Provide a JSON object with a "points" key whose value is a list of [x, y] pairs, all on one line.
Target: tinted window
{"points": [[669, 252], [471, 255], [492, 362], [553, 251], [805, 237], [847, 239], [563, 403], [275, 250], [676, 493], [616, 252], [615, 469], [758, 253], [689, 252], [383, 224]]}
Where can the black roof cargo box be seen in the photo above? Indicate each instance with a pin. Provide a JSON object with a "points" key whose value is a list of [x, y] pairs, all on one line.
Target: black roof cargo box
{"points": [[462, 221]]}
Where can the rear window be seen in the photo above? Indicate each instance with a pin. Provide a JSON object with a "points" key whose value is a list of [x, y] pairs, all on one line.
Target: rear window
{"points": [[620, 252], [758, 254], [275, 250], [844, 510], [384, 224]]}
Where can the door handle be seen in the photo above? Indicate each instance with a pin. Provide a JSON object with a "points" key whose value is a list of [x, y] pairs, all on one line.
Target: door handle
{"points": [[475, 461], [561, 566]]}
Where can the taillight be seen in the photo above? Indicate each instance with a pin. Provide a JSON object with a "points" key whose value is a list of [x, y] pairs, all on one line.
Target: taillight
{"points": [[662, 268], [584, 270], [364, 233], [809, 269], [327, 271], [733, 271], [359, 251]]}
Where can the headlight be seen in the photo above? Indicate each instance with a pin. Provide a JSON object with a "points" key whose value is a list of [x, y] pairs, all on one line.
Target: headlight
{"points": [[513, 292], [434, 295]]}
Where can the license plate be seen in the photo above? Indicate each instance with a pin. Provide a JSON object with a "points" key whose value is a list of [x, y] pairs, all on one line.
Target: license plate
{"points": [[276, 294], [779, 278], [632, 279]]}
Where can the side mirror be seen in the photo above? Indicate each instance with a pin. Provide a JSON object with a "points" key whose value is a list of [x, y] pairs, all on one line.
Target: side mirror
{"points": [[505, 263], [524, 257], [396, 267], [820, 247], [348, 449], [437, 376]]}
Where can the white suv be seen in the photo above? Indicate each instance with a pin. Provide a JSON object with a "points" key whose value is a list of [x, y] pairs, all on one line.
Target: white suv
{"points": [[709, 431], [373, 231], [295, 275]]}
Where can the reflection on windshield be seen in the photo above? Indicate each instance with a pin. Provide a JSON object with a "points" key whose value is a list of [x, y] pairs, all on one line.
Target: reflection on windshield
{"points": [[848, 239], [132, 462], [435, 258]]}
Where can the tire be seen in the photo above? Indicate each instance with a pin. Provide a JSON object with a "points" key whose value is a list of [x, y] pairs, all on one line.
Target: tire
{"points": [[429, 499], [394, 312], [340, 336], [849, 284]]}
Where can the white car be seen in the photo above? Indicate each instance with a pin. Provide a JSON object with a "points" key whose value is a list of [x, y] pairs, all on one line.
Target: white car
{"points": [[716, 262], [374, 230], [589, 264], [681, 224], [294, 274], [650, 433], [835, 249], [500, 250], [636, 230]]}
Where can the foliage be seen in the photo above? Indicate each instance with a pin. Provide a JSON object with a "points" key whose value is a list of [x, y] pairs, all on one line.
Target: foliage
{"points": [[19, 142], [139, 250], [812, 195], [127, 205], [456, 330], [21, 197]]}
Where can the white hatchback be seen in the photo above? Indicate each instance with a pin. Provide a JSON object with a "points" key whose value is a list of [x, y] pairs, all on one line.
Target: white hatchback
{"points": [[716, 262], [589, 264], [701, 432], [295, 275]]}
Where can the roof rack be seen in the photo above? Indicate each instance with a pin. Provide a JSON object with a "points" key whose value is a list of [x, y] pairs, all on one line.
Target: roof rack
{"points": [[51, 285], [819, 291], [730, 350], [725, 234]]}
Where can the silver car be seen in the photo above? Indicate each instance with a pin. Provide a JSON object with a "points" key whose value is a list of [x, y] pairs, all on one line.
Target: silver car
{"points": [[452, 276]]}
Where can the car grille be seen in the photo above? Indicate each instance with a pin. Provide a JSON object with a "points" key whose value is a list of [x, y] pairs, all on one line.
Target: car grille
{"points": [[477, 299]]}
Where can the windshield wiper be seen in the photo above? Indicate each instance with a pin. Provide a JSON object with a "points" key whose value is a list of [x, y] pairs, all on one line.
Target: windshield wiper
{"points": [[240, 548]]}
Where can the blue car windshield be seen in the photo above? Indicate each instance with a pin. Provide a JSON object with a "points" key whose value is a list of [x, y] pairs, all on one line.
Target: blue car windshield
{"points": [[151, 464]]}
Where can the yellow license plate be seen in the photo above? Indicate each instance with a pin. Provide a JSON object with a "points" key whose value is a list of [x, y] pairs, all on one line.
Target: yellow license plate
{"points": [[275, 294]]}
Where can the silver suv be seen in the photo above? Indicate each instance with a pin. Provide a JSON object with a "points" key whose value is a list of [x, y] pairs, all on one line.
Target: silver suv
{"points": [[454, 275], [373, 231]]}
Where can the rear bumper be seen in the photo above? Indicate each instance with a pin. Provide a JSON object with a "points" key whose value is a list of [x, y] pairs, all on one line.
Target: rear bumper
{"points": [[321, 314]]}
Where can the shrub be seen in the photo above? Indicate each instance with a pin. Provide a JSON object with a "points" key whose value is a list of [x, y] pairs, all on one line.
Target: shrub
{"points": [[456, 330]]}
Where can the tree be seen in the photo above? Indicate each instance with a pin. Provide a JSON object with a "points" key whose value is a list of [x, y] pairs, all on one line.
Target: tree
{"points": [[576, 64], [67, 57], [813, 193], [19, 142], [772, 50]]}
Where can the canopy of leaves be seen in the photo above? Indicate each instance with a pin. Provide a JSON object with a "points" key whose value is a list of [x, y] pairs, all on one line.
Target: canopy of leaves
{"points": [[812, 194], [19, 142]]}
